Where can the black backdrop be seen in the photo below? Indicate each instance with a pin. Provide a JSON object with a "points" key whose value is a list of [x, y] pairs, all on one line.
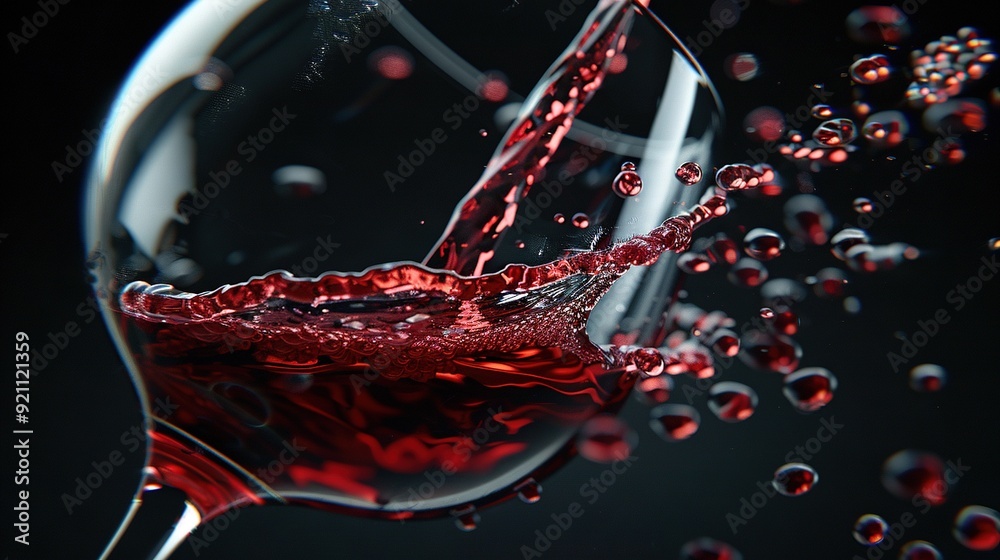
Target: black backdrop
{"points": [[62, 82]]}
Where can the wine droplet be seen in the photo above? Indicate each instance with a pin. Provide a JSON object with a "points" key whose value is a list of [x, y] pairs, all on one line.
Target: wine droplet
{"points": [[977, 528], [919, 550], [694, 263], [870, 529], [909, 473], [731, 401], [763, 244], [862, 205], [649, 361], [742, 67], [766, 313], [529, 491], [835, 132], [674, 422], [737, 176], [927, 378], [581, 220], [467, 518], [769, 352], [559, 219], [794, 479], [605, 439], [689, 173], [870, 70], [709, 549], [747, 273], [655, 390], [810, 389], [628, 183], [822, 111]]}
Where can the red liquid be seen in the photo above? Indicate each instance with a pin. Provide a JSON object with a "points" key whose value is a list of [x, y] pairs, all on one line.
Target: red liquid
{"points": [[402, 391]]}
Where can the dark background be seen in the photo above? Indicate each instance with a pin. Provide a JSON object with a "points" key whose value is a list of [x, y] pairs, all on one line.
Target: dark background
{"points": [[63, 81]]}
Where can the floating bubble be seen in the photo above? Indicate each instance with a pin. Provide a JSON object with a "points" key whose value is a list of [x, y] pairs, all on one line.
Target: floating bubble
{"points": [[919, 550], [763, 244], [835, 132], [807, 217], [581, 220], [769, 352], [910, 473], [605, 439], [627, 184], [674, 422], [742, 67], [878, 25], [709, 549], [694, 263], [927, 378], [731, 401], [764, 124], [794, 479], [870, 70], [655, 390], [689, 173], [529, 491], [977, 528], [737, 176], [822, 111], [810, 389], [747, 273]]}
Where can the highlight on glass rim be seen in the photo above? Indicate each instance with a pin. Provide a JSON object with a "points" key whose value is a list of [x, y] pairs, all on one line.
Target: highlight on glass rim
{"points": [[560, 279]]}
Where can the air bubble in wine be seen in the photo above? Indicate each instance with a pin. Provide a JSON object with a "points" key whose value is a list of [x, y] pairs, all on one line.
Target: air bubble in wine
{"points": [[794, 479]]}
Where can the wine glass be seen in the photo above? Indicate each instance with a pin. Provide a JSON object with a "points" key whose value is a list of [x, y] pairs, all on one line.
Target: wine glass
{"points": [[314, 305]]}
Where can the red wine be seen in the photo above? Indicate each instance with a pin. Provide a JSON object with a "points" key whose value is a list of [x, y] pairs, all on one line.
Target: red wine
{"points": [[360, 390]]}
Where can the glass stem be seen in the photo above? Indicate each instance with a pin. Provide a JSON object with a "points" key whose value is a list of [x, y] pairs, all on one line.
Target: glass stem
{"points": [[157, 522]]}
